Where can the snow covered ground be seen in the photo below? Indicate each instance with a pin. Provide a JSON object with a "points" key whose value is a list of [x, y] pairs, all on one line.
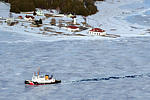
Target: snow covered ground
{"points": [[89, 69], [116, 17], [112, 17]]}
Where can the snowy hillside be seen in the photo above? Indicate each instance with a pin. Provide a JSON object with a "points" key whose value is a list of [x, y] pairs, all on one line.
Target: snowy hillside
{"points": [[4, 10], [113, 16]]}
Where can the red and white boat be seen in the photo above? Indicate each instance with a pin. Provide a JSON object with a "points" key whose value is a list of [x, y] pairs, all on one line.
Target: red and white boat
{"points": [[41, 80]]}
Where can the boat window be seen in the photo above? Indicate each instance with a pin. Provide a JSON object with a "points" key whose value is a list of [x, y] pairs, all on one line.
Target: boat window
{"points": [[41, 76]]}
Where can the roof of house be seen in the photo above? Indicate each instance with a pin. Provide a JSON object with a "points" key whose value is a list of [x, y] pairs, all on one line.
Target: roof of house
{"points": [[20, 17], [97, 30], [73, 27], [27, 16]]}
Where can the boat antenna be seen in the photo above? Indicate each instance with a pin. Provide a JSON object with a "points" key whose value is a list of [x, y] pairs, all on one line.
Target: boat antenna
{"points": [[38, 71]]}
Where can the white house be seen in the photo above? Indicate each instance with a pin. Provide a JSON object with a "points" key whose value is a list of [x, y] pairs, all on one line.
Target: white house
{"points": [[73, 28], [58, 15], [39, 13], [11, 21], [97, 31], [70, 15]]}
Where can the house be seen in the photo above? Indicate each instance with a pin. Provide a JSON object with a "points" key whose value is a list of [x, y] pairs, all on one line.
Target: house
{"points": [[36, 23], [73, 28], [29, 18], [97, 31], [20, 17], [11, 22], [39, 13], [58, 15], [70, 15]]}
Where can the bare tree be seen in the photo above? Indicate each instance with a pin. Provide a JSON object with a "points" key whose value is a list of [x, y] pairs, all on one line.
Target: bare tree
{"points": [[60, 24]]}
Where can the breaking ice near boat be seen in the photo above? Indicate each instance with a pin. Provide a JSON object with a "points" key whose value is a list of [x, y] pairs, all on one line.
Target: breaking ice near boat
{"points": [[41, 79]]}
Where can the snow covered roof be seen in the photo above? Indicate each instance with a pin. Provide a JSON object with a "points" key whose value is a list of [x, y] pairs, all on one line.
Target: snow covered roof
{"points": [[97, 30]]}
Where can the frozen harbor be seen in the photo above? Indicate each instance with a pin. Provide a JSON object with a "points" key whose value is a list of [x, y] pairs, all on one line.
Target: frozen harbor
{"points": [[91, 68]]}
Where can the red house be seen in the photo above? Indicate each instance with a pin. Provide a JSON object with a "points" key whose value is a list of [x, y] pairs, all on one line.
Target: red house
{"points": [[29, 18], [97, 31], [73, 28], [20, 17]]}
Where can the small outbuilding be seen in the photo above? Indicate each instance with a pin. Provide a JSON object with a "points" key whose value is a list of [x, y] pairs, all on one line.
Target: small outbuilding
{"points": [[11, 22], [97, 31], [29, 18], [20, 17], [73, 28], [37, 23]]}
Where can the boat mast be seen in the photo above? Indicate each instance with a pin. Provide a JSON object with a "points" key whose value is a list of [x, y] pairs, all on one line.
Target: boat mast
{"points": [[34, 73]]}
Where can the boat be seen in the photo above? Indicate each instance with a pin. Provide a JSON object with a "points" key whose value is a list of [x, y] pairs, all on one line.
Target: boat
{"points": [[41, 79]]}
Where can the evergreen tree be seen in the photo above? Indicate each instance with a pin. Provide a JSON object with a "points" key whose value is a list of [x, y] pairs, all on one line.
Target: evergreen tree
{"points": [[79, 7]]}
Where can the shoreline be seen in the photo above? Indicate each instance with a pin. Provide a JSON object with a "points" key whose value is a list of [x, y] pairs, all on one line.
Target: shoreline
{"points": [[107, 18]]}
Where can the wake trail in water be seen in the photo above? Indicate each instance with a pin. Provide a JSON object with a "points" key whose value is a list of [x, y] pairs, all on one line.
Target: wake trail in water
{"points": [[111, 78], [104, 78]]}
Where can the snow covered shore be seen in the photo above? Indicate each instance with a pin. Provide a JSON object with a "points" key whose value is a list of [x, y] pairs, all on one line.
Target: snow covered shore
{"points": [[111, 17]]}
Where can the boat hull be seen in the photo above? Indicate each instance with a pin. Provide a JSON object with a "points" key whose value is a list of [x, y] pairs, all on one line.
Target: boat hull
{"points": [[28, 82]]}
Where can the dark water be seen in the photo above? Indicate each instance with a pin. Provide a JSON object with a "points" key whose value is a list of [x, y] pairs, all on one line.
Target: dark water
{"points": [[89, 69]]}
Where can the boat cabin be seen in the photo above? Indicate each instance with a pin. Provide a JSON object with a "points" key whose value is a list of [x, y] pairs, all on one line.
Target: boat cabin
{"points": [[39, 79]]}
